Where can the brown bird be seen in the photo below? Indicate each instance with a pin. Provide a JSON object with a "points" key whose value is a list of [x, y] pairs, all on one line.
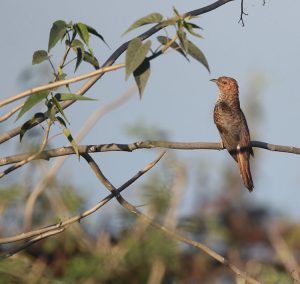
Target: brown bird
{"points": [[232, 125]]}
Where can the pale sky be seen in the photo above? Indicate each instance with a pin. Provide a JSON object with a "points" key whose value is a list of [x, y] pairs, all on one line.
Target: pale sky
{"points": [[179, 97]]}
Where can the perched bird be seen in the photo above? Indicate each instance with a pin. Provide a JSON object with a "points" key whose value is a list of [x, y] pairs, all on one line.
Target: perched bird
{"points": [[232, 125]]}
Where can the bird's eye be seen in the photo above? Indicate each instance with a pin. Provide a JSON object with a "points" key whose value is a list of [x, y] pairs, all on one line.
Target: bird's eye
{"points": [[225, 82]]}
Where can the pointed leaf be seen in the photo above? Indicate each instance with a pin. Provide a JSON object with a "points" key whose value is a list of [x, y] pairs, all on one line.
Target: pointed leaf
{"points": [[182, 38], [31, 123], [176, 12], [57, 32], [196, 53], [39, 56], [32, 101], [69, 96], [59, 108], [83, 32], [149, 19], [135, 55], [141, 76], [91, 30], [190, 28], [79, 58], [165, 40], [69, 136], [90, 58]]}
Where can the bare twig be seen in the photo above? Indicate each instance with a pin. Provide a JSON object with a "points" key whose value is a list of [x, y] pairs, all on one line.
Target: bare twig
{"points": [[170, 233], [64, 151], [241, 20], [118, 52], [97, 114], [60, 83], [67, 222], [11, 112]]}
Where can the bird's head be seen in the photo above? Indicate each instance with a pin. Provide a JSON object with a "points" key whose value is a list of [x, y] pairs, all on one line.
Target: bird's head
{"points": [[227, 86]]}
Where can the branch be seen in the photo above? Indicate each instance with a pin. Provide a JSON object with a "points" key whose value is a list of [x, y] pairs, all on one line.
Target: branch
{"points": [[118, 52], [57, 84], [84, 149], [56, 227], [170, 233], [241, 20]]}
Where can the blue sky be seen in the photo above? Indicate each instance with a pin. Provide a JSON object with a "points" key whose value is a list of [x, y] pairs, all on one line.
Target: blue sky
{"points": [[263, 56]]}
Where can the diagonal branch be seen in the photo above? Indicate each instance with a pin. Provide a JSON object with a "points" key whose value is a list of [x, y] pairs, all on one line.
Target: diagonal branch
{"points": [[150, 144], [170, 233], [118, 52], [64, 224]]}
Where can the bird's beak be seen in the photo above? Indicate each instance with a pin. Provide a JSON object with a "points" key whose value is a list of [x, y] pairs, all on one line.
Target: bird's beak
{"points": [[213, 80]]}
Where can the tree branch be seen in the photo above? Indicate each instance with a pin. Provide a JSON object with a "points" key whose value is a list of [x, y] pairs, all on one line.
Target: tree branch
{"points": [[241, 20], [118, 52], [84, 149], [169, 233]]}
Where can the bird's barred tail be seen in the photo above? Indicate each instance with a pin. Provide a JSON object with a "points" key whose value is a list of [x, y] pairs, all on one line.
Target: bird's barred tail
{"points": [[244, 165]]}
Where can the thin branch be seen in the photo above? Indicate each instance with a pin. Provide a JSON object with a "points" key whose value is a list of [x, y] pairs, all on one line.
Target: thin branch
{"points": [[87, 126], [31, 157], [67, 222], [170, 233], [84, 149], [241, 20], [11, 112], [60, 83], [116, 54]]}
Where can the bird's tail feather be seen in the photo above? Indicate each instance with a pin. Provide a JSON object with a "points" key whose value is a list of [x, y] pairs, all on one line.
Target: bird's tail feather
{"points": [[244, 165]]}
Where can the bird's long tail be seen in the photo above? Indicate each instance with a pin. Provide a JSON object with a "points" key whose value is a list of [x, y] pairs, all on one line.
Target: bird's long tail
{"points": [[244, 165]]}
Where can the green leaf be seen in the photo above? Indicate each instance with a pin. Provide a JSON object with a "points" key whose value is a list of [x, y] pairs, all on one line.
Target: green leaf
{"points": [[79, 58], [91, 30], [70, 96], [83, 32], [149, 19], [141, 75], [176, 12], [165, 40], [39, 56], [190, 28], [59, 108], [135, 55], [32, 101], [57, 32], [90, 58], [76, 43], [51, 110], [196, 53], [69, 136], [37, 118], [182, 38]]}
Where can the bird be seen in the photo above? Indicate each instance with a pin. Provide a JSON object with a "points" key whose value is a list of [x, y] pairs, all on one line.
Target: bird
{"points": [[232, 125]]}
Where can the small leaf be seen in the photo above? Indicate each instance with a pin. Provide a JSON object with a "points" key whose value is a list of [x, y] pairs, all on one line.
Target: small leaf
{"points": [[59, 108], [165, 40], [141, 75], [76, 43], [89, 58], [57, 32], [182, 38], [91, 30], [69, 136], [149, 19], [83, 32], [79, 58], [70, 96], [39, 56], [176, 12], [135, 55], [190, 28], [51, 111], [37, 118], [196, 53], [32, 101]]}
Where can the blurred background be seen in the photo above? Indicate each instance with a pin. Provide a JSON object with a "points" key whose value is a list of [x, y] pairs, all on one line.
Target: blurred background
{"points": [[198, 192]]}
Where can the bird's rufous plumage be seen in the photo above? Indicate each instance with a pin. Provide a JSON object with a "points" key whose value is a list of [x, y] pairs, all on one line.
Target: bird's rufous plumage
{"points": [[232, 125]]}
